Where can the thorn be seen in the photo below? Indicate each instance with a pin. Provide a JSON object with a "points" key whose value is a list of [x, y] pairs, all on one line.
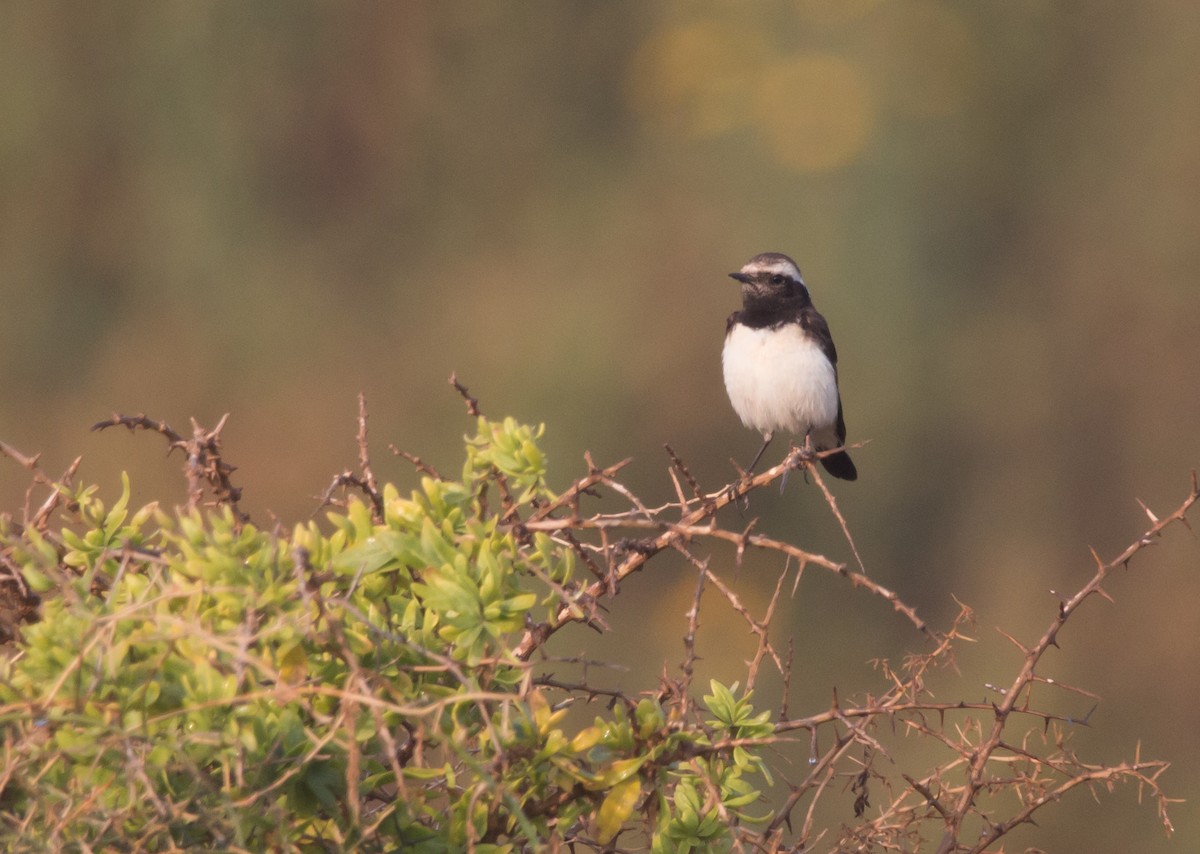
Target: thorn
{"points": [[1014, 641], [471, 402], [743, 540], [683, 504]]}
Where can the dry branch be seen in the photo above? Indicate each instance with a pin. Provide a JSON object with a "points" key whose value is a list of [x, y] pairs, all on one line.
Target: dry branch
{"points": [[697, 521], [203, 466]]}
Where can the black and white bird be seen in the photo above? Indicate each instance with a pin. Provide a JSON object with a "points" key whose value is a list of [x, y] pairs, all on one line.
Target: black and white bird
{"points": [[780, 363]]}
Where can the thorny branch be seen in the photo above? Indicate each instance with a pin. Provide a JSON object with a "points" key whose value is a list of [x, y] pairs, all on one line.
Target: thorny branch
{"points": [[18, 602], [364, 480], [472, 402], [697, 521], [1016, 693], [936, 796], [58, 488], [203, 465]]}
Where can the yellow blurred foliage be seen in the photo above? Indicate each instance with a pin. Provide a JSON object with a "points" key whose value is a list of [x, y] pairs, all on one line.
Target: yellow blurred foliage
{"points": [[814, 112], [695, 77]]}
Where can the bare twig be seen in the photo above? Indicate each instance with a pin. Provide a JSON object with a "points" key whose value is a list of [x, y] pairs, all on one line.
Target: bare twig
{"points": [[695, 513], [204, 467], [364, 481], [417, 462], [364, 456], [983, 755], [689, 639], [472, 403]]}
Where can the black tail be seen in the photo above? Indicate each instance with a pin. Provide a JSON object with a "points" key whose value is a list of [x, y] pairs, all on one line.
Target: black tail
{"points": [[840, 465]]}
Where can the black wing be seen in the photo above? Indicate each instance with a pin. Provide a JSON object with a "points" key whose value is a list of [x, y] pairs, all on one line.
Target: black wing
{"points": [[815, 325]]}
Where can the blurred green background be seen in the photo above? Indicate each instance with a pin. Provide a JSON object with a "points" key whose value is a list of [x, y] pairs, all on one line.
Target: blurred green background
{"points": [[265, 208]]}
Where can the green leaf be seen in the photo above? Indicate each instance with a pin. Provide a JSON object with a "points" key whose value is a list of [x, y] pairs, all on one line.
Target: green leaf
{"points": [[617, 807], [38, 581], [649, 717], [721, 703], [619, 771], [586, 739]]}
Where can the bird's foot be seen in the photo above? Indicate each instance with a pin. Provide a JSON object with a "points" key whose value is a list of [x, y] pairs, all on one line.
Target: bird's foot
{"points": [[807, 454]]}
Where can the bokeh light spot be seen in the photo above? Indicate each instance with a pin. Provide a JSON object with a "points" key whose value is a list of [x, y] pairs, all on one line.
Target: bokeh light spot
{"points": [[813, 111], [696, 77]]}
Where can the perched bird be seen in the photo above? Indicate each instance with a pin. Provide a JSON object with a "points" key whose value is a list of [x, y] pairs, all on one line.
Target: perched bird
{"points": [[780, 363]]}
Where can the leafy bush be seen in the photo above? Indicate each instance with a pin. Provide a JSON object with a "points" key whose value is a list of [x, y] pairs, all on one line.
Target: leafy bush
{"points": [[195, 681]]}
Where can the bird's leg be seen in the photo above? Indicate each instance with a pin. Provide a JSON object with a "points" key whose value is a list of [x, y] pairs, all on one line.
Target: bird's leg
{"points": [[746, 498], [808, 454], [809, 450], [766, 441], [786, 472]]}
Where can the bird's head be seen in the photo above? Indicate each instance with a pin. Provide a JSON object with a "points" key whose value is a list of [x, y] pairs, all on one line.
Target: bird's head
{"points": [[771, 276]]}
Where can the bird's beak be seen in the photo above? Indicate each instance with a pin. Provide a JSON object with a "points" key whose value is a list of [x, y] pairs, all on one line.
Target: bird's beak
{"points": [[741, 277]]}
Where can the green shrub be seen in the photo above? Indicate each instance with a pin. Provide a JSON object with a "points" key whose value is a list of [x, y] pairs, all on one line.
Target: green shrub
{"points": [[197, 682]]}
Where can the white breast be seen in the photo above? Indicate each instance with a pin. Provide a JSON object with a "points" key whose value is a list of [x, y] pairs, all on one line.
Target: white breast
{"points": [[778, 379]]}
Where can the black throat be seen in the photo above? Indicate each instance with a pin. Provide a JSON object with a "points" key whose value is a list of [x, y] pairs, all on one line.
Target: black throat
{"points": [[774, 309]]}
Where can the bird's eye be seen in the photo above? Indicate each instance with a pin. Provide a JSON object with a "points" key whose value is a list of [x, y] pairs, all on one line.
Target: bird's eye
{"points": [[777, 279]]}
